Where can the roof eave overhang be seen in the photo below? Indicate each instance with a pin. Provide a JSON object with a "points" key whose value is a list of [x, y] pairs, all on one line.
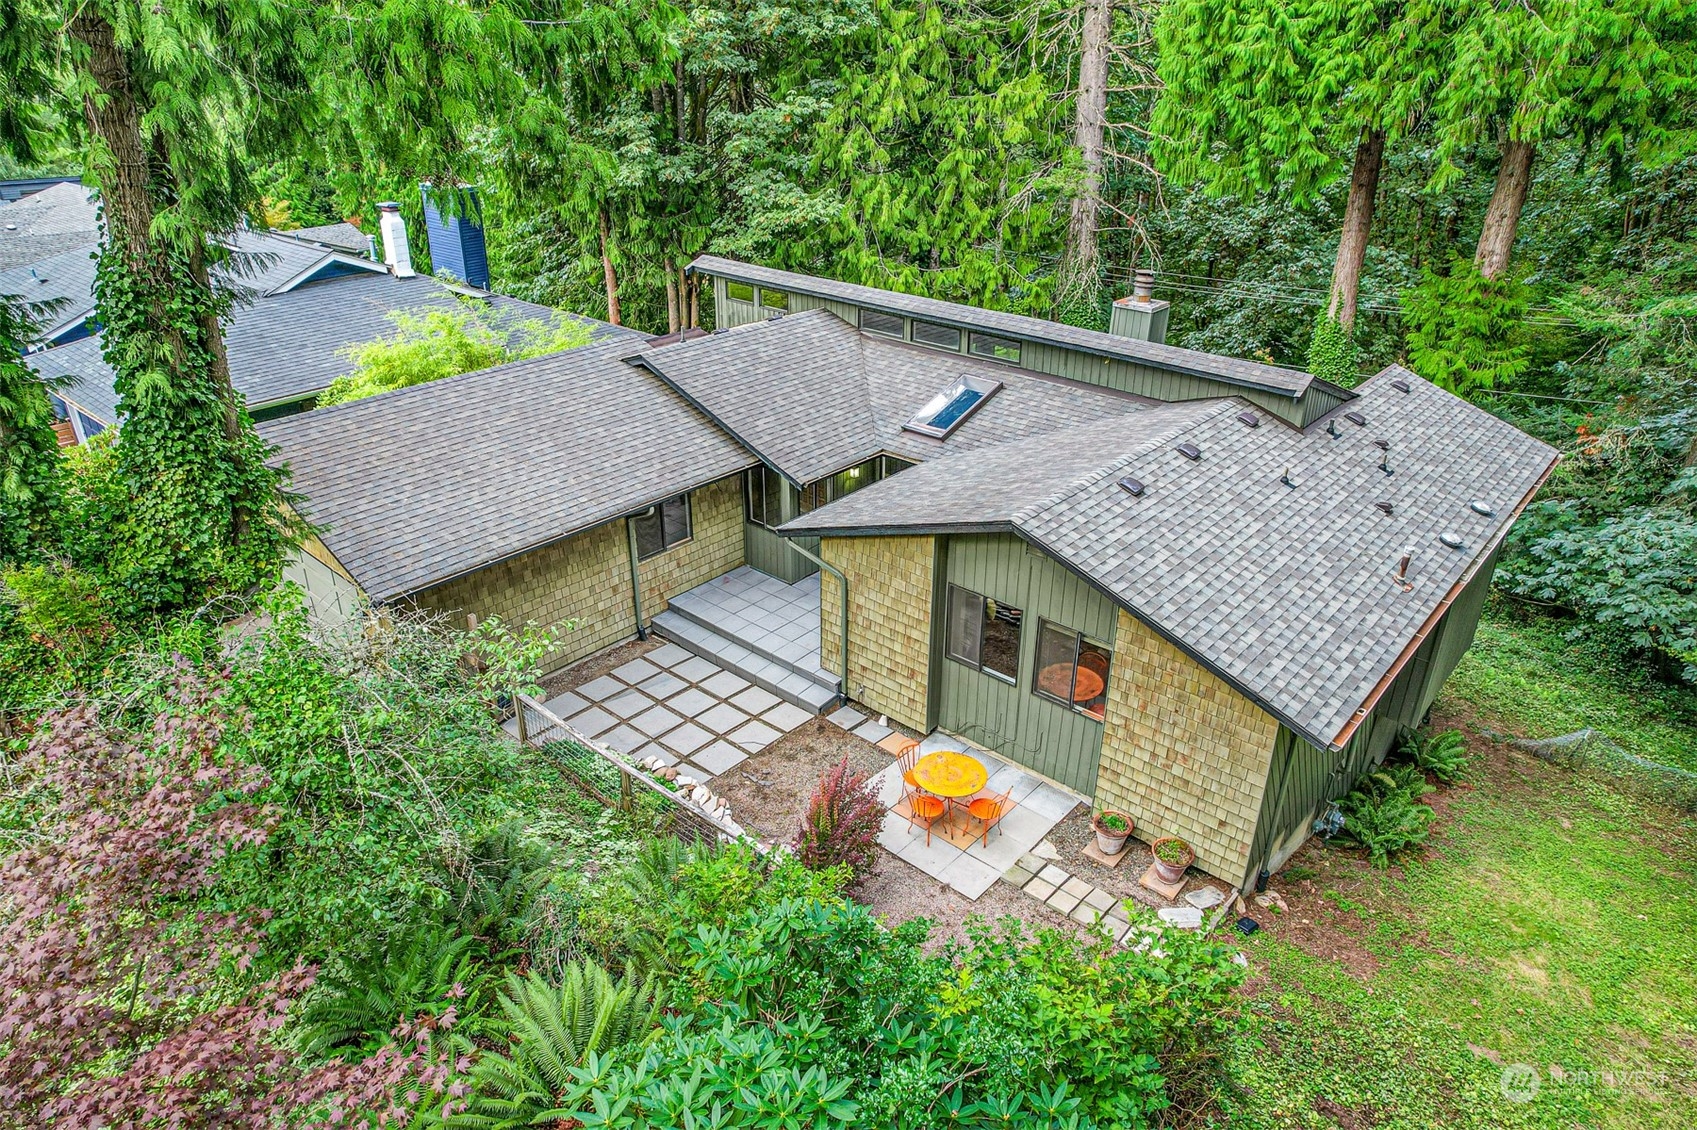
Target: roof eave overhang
{"points": [[1036, 339], [303, 277], [921, 529]]}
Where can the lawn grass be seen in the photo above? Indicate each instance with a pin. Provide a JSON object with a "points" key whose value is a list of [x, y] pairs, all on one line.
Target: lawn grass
{"points": [[1552, 921]]}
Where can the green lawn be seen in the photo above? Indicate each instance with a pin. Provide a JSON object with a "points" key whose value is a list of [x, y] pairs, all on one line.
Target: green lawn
{"points": [[1552, 922]]}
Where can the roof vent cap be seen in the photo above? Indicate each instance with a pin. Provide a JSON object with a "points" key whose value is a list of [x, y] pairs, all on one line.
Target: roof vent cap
{"points": [[1356, 418], [1385, 506], [1250, 419], [1482, 508], [1132, 486], [1452, 540], [1190, 451], [1400, 385], [1382, 444]]}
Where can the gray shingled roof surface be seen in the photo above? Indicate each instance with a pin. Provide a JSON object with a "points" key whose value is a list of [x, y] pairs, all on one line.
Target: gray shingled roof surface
{"points": [[1288, 382], [65, 280], [56, 219], [812, 395], [340, 234], [1287, 592], [294, 344], [427, 483]]}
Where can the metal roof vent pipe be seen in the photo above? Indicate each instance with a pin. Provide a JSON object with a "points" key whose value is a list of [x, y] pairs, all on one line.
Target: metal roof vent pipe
{"points": [[1402, 571], [396, 253], [1142, 315]]}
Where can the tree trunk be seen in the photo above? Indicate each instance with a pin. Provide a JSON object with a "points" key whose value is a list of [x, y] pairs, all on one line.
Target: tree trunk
{"points": [[1090, 116], [1357, 227], [1502, 217], [608, 277], [671, 296]]}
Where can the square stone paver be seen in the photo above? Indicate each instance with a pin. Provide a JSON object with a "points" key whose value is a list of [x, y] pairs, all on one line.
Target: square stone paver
{"points": [[668, 655], [1053, 874], [686, 739], [690, 702], [566, 705], [725, 684], [872, 732], [755, 736], [847, 717], [656, 721], [785, 716], [719, 757], [642, 753], [663, 684], [625, 739], [1062, 902], [592, 722], [1098, 899], [721, 718], [695, 669], [1039, 890], [1085, 913], [635, 671], [756, 700], [603, 688], [1077, 886], [627, 705]]}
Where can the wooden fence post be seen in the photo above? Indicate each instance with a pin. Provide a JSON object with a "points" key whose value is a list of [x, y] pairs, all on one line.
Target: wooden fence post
{"points": [[627, 799], [518, 715]]}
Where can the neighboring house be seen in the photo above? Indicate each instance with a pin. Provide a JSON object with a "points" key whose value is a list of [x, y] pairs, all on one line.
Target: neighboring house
{"points": [[1203, 590], [303, 305], [59, 217]]}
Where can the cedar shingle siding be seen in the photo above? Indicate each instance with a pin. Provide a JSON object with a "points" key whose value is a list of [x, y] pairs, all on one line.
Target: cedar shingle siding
{"points": [[890, 585], [1182, 752], [587, 577]]}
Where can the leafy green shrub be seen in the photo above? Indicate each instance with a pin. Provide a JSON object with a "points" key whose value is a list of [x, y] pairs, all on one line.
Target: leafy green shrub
{"points": [[1383, 812], [426, 971], [60, 608], [554, 1029], [842, 823], [1443, 755]]}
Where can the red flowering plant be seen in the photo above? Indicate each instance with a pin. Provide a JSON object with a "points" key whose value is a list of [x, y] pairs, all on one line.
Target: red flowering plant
{"points": [[842, 823], [121, 995]]}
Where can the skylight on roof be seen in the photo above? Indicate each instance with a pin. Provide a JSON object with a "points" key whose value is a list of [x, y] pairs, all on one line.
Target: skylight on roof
{"points": [[949, 409]]}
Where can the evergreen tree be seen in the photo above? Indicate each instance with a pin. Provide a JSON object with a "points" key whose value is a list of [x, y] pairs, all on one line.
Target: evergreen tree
{"points": [[30, 465]]}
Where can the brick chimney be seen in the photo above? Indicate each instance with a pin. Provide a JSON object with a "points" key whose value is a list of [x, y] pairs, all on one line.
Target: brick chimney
{"points": [[1142, 315]]}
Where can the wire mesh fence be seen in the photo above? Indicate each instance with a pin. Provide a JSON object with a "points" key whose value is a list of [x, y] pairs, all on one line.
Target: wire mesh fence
{"points": [[610, 778]]}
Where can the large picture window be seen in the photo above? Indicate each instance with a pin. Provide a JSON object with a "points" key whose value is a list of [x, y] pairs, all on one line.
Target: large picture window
{"points": [[983, 633], [662, 527], [1071, 670]]}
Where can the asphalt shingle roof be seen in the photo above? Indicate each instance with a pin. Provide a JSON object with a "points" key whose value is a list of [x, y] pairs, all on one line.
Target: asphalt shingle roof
{"points": [[64, 281], [1288, 382], [812, 395], [291, 345], [341, 235], [427, 483], [1287, 592], [45, 223]]}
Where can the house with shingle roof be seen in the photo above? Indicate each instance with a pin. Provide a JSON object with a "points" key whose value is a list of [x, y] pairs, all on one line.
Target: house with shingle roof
{"points": [[1205, 591]]}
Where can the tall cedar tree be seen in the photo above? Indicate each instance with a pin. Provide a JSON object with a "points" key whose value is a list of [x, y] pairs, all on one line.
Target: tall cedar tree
{"points": [[30, 464]]}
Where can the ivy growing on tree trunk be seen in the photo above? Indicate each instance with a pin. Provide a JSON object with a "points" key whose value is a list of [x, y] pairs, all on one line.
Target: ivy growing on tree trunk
{"points": [[30, 467]]}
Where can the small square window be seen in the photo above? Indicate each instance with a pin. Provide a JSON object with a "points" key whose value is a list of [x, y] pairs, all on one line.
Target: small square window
{"points": [[938, 337], [983, 633], [884, 325], [993, 347], [741, 292], [774, 299], [661, 527]]}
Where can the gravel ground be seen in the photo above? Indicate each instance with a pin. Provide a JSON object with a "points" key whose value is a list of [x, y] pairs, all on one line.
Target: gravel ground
{"points": [[769, 792], [570, 678], [1073, 833], [898, 891]]}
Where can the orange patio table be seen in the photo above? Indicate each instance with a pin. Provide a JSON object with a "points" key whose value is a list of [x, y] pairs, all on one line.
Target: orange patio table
{"points": [[950, 773]]}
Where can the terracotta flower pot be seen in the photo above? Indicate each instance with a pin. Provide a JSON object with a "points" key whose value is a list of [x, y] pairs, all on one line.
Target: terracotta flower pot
{"points": [[1169, 871], [1108, 840]]}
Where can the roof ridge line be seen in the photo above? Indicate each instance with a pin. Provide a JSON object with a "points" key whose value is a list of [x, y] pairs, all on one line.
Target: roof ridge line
{"points": [[1107, 470]]}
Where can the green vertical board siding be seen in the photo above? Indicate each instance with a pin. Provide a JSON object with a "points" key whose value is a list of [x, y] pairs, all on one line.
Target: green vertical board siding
{"points": [[770, 552], [1059, 743]]}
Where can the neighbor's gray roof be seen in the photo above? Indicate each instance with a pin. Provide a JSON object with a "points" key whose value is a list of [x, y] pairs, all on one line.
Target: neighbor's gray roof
{"points": [[266, 263], [1232, 370], [427, 483], [811, 394], [45, 223], [341, 234], [64, 280], [293, 344], [1286, 592]]}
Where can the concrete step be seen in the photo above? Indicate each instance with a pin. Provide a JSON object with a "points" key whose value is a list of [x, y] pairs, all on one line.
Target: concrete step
{"points": [[798, 656], [808, 688]]}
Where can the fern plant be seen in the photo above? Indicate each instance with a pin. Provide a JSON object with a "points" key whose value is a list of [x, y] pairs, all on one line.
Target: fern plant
{"points": [[1384, 814], [1443, 755], [506, 874], [353, 1010], [552, 1029]]}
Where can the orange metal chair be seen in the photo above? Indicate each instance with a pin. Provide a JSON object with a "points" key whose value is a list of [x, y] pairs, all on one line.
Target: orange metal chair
{"points": [[989, 810], [906, 760], [923, 808]]}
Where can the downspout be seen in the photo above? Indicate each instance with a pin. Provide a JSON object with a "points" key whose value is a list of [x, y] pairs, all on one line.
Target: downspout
{"points": [[842, 682], [635, 577]]}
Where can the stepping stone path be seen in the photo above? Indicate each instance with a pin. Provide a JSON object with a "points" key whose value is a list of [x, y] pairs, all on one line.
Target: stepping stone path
{"points": [[1067, 894]]}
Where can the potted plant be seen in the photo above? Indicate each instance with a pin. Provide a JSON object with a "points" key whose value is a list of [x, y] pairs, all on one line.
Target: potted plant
{"points": [[1112, 827], [1172, 856]]}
